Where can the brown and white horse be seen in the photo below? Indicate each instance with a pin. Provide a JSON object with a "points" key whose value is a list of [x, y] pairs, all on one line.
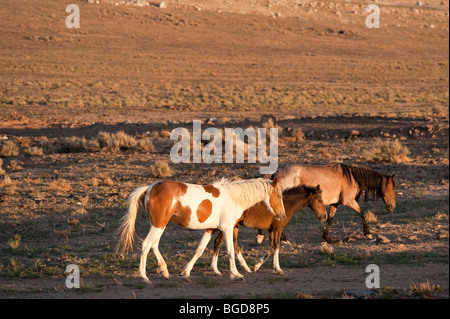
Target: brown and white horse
{"points": [[216, 206], [294, 200], [341, 184]]}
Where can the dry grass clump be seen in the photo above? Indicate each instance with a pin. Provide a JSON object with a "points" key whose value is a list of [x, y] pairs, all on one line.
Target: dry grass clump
{"points": [[388, 151], [60, 185], [370, 217], [106, 142], [161, 169], [271, 124], [34, 151], [73, 144], [8, 186], [9, 149], [2, 171], [116, 142], [105, 180], [423, 289]]}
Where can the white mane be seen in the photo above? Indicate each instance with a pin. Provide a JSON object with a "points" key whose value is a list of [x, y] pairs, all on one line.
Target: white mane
{"points": [[246, 193]]}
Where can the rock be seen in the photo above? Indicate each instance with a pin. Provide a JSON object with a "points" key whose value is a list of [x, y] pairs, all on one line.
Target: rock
{"points": [[362, 293], [141, 3], [162, 5], [349, 239], [442, 235], [382, 239], [419, 3]]}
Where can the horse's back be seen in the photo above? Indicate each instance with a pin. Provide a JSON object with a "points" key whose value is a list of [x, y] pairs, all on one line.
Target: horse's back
{"points": [[329, 177]]}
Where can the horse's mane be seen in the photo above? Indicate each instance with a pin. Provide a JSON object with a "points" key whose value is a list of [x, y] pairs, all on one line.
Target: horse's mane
{"points": [[297, 190], [247, 192], [369, 181]]}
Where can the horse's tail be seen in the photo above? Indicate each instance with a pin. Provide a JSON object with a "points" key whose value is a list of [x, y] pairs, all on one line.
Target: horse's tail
{"points": [[126, 230]]}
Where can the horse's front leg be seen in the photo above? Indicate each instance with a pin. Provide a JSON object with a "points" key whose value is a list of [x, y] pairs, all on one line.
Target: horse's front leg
{"points": [[237, 250], [276, 248], [198, 252], [228, 233], [332, 211], [267, 255], [217, 244], [366, 228]]}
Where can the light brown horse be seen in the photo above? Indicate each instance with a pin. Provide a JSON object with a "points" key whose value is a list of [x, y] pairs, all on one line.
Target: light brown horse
{"points": [[341, 184], [294, 200]]}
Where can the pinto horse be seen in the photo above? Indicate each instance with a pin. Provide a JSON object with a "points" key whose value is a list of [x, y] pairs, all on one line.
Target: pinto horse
{"points": [[216, 206], [294, 200], [340, 184]]}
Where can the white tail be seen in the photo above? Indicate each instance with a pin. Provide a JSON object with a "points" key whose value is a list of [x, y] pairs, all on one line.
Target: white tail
{"points": [[126, 230]]}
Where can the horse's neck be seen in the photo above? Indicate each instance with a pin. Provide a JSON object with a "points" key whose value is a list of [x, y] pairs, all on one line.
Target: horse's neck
{"points": [[255, 201], [294, 203]]}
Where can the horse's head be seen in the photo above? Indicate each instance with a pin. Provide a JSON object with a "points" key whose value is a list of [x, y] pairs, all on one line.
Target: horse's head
{"points": [[317, 205], [388, 192], [274, 201]]}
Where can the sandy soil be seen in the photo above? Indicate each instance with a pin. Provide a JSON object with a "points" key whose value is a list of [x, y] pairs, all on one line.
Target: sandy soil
{"points": [[313, 68]]}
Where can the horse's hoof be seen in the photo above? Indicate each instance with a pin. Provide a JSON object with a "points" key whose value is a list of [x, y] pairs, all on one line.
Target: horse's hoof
{"points": [[259, 239], [147, 281], [236, 276]]}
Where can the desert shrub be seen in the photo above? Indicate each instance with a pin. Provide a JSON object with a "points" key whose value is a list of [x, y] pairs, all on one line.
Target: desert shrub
{"points": [[161, 169], [145, 144], [106, 142], [73, 144], [34, 151], [2, 171], [60, 185], [9, 149], [271, 124], [116, 142], [387, 151]]}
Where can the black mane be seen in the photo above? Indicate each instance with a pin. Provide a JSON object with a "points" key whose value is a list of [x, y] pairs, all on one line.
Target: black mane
{"points": [[369, 181], [297, 190]]}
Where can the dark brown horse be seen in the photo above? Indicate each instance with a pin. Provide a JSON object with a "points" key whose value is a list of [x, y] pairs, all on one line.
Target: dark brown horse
{"points": [[341, 184], [294, 200]]}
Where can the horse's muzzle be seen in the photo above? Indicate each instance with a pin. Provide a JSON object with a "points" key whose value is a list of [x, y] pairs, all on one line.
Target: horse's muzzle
{"points": [[280, 217], [390, 208]]}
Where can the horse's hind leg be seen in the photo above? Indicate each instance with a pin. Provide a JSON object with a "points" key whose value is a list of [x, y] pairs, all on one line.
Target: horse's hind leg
{"points": [[162, 266], [153, 237]]}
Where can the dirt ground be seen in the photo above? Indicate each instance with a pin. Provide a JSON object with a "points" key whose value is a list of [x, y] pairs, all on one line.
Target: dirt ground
{"points": [[334, 87]]}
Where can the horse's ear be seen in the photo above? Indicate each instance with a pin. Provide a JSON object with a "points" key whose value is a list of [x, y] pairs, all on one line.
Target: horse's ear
{"points": [[393, 175], [275, 181], [318, 190]]}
